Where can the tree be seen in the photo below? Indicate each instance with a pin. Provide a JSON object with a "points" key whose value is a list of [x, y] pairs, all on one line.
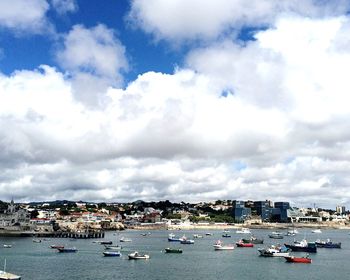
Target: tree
{"points": [[34, 214]]}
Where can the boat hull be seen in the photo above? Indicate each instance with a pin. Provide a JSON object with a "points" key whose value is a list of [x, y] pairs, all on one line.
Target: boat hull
{"points": [[254, 241], [292, 259], [328, 245], [173, 251], [112, 254], [308, 249]]}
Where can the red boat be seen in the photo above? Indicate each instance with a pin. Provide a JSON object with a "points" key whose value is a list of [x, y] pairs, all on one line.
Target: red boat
{"points": [[298, 259], [242, 244]]}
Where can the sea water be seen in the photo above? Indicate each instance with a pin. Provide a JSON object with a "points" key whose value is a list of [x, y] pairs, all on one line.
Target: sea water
{"points": [[37, 261]]}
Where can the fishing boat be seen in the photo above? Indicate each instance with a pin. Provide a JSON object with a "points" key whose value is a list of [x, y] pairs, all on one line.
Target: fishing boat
{"points": [[327, 244], [8, 276], [316, 231], [172, 238], [244, 231], [112, 254], [253, 240], [274, 251], [240, 243], [276, 235], [113, 247], [184, 240], [7, 246], [220, 246], [56, 246], [124, 239], [302, 246], [173, 250], [294, 259], [67, 250], [137, 256], [226, 235]]}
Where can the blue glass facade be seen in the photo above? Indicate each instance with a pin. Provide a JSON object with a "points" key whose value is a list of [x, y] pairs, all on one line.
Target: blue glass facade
{"points": [[239, 211]]}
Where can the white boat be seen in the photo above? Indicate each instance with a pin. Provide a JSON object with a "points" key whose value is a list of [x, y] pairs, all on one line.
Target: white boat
{"points": [[37, 240], [137, 256], [220, 246], [274, 251], [123, 239], [113, 247], [197, 236], [244, 231], [8, 276], [184, 240], [316, 231], [7, 246]]}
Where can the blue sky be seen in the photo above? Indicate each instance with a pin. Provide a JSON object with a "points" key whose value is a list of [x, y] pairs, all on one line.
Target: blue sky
{"points": [[186, 100]]}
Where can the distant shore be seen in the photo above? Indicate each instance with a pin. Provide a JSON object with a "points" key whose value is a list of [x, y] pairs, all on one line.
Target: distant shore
{"points": [[282, 226]]}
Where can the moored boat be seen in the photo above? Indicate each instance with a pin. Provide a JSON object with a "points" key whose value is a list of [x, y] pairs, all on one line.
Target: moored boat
{"points": [[112, 254], [124, 239], [113, 247], [7, 246], [302, 246], [67, 250], [240, 243], [316, 231], [294, 259], [220, 246], [184, 240], [172, 238], [56, 246], [244, 231], [327, 244], [106, 242], [274, 251], [253, 240], [137, 256], [173, 250], [8, 276], [276, 235]]}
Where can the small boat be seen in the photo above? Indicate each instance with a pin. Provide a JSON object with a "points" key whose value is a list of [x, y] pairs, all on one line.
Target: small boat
{"points": [[276, 235], [172, 238], [208, 234], [327, 244], [112, 254], [8, 276], [302, 246], [226, 235], [274, 251], [197, 236], [184, 240], [244, 231], [226, 231], [137, 256], [7, 246], [113, 247], [37, 240], [123, 239], [316, 231], [240, 243], [220, 246], [56, 246], [294, 259], [173, 250], [67, 250], [106, 242], [253, 240]]}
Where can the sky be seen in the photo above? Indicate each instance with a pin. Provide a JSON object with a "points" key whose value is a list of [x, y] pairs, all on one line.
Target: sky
{"points": [[185, 100]]}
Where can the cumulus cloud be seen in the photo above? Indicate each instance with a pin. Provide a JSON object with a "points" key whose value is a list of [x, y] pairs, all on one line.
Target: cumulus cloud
{"points": [[195, 19], [265, 119], [22, 15], [95, 58], [64, 6]]}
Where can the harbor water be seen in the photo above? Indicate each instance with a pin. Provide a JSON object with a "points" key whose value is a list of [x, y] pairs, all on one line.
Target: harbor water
{"points": [[37, 261]]}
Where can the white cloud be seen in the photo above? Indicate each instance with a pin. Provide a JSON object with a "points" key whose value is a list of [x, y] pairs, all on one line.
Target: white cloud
{"points": [[23, 15], [95, 58], [280, 131], [196, 19], [64, 6]]}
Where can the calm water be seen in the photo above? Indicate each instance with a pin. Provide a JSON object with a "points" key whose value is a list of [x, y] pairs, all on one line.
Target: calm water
{"points": [[199, 261]]}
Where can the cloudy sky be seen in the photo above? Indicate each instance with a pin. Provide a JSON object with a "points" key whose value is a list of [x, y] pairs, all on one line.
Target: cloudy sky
{"points": [[183, 100]]}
